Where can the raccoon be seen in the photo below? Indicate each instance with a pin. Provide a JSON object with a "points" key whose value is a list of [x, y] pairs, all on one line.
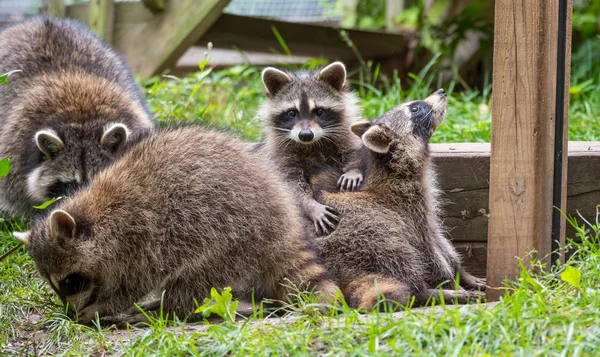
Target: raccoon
{"points": [[306, 118], [390, 238], [68, 114], [182, 211]]}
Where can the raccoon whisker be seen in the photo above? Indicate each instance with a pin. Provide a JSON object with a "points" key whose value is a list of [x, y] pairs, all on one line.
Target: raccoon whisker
{"points": [[283, 129]]}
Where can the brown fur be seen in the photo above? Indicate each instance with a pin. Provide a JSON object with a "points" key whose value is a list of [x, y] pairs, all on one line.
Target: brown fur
{"points": [[182, 211], [390, 239], [333, 148], [73, 86]]}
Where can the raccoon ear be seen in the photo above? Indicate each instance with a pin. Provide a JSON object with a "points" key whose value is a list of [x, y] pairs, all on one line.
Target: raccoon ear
{"points": [[334, 75], [377, 139], [22, 237], [274, 79], [114, 137], [360, 127], [62, 225], [48, 142]]}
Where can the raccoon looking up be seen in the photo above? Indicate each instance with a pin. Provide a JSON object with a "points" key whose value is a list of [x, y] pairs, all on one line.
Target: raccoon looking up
{"points": [[390, 238], [67, 115], [182, 211], [307, 116]]}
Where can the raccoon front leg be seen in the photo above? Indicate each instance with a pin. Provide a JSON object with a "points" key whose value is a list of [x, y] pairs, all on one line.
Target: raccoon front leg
{"points": [[350, 181], [352, 178], [323, 217]]}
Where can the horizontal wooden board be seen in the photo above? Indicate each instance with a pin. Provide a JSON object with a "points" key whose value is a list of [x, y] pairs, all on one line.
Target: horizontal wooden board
{"points": [[463, 172], [256, 34]]}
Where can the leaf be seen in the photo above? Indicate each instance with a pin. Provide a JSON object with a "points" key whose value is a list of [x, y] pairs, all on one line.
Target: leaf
{"points": [[571, 275], [4, 167], [222, 305], [4, 77], [203, 64], [47, 203]]}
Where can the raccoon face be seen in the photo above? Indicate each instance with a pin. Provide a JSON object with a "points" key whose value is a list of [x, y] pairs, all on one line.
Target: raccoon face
{"points": [[67, 158], [305, 107], [408, 126], [66, 260]]}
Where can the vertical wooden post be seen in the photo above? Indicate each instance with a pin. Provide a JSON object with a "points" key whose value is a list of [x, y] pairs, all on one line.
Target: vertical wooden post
{"points": [[101, 18], [523, 136], [392, 9], [54, 8]]}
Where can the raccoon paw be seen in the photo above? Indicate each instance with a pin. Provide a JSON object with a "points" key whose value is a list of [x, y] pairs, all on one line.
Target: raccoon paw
{"points": [[325, 219], [350, 181]]}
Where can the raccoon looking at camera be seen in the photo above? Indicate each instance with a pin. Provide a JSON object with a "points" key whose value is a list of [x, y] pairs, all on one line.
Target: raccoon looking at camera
{"points": [[390, 239], [67, 114], [306, 119]]}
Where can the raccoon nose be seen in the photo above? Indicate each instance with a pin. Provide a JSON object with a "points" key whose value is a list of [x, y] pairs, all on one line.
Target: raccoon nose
{"points": [[306, 135], [441, 92]]}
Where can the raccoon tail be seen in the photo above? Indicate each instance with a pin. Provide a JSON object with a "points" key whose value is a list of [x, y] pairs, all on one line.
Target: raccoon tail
{"points": [[365, 293]]}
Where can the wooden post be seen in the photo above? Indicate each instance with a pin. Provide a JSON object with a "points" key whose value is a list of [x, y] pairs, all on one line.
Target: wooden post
{"points": [[54, 8], [101, 18], [392, 9], [523, 136], [155, 6]]}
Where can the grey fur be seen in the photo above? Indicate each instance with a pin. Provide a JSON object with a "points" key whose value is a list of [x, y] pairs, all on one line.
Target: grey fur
{"points": [[390, 238], [72, 89], [184, 210], [333, 147]]}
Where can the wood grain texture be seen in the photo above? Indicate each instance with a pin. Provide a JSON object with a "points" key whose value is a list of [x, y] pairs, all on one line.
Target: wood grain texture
{"points": [[521, 163], [101, 15], [463, 173], [254, 34], [154, 42]]}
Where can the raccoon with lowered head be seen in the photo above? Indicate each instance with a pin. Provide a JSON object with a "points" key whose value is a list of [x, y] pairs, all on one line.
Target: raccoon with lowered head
{"points": [[181, 212], [390, 238], [306, 118], [68, 113]]}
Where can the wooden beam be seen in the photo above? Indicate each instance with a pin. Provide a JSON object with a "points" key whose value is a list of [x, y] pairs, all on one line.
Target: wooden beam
{"points": [[54, 8], [154, 42], [255, 34], [392, 9], [155, 6], [101, 18], [464, 173]]}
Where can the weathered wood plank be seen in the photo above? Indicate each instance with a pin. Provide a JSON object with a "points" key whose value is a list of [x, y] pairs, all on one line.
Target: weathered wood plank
{"points": [[523, 134], [101, 18], [463, 173], [474, 257], [170, 32], [155, 6], [254, 34], [54, 8]]}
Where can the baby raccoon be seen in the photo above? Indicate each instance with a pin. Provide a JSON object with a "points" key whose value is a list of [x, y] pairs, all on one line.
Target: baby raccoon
{"points": [[182, 211], [68, 113], [390, 239], [306, 119]]}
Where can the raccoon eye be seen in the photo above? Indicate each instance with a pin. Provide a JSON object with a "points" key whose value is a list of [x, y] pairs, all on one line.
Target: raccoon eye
{"points": [[414, 109], [320, 112], [73, 284], [291, 113]]}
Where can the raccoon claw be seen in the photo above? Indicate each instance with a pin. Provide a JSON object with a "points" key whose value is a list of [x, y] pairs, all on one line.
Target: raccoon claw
{"points": [[325, 219], [350, 181]]}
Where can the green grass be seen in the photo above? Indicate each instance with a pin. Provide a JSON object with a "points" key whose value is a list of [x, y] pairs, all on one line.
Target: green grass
{"points": [[544, 316]]}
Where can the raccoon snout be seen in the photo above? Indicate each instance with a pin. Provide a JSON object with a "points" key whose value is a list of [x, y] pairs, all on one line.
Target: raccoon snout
{"points": [[306, 135]]}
